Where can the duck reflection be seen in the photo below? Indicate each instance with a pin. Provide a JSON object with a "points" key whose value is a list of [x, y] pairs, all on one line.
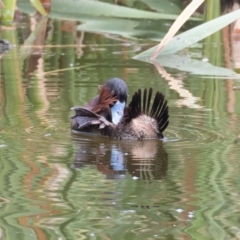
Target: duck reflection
{"points": [[140, 159]]}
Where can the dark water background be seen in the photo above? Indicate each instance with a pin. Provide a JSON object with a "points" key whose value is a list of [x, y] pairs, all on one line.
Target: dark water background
{"points": [[55, 185]]}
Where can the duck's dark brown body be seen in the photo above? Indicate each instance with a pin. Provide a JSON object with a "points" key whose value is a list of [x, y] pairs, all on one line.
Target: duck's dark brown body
{"points": [[141, 120]]}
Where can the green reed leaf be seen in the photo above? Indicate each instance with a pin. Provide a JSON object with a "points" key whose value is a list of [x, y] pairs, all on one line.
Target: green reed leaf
{"points": [[193, 35], [95, 8]]}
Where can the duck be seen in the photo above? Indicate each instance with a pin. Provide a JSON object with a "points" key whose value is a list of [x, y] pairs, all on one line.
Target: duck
{"points": [[107, 114]]}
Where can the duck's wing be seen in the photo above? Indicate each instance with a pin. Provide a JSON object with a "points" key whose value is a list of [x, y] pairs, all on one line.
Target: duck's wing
{"points": [[83, 112], [84, 118], [141, 104]]}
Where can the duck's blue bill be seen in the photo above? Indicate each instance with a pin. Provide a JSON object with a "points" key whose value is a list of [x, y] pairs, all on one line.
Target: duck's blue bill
{"points": [[117, 112]]}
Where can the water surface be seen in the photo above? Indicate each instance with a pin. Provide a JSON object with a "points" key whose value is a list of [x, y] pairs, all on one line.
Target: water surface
{"points": [[56, 185]]}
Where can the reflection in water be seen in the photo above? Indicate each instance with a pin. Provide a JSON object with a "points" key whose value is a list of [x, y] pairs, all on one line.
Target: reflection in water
{"points": [[182, 189], [141, 159]]}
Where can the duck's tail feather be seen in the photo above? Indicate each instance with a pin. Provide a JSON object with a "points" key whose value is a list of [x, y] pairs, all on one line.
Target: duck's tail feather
{"points": [[158, 110]]}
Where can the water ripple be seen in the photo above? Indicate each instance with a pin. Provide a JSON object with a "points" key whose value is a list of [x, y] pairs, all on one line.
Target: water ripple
{"points": [[195, 133]]}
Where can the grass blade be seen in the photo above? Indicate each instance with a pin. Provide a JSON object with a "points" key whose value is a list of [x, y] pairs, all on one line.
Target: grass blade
{"points": [[182, 18]]}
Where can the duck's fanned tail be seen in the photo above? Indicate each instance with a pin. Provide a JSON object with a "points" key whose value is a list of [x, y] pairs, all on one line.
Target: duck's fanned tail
{"points": [[142, 105]]}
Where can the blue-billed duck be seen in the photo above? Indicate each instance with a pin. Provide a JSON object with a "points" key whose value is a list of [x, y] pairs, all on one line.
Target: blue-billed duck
{"points": [[107, 114]]}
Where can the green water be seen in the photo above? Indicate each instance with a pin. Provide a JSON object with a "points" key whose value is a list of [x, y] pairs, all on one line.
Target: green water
{"points": [[55, 185]]}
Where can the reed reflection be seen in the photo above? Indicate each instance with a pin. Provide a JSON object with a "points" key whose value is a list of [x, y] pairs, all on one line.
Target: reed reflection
{"points": [[116, 159]]}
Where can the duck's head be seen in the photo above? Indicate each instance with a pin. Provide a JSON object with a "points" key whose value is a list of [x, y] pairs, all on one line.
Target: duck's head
{"points": [[118, 88]]}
